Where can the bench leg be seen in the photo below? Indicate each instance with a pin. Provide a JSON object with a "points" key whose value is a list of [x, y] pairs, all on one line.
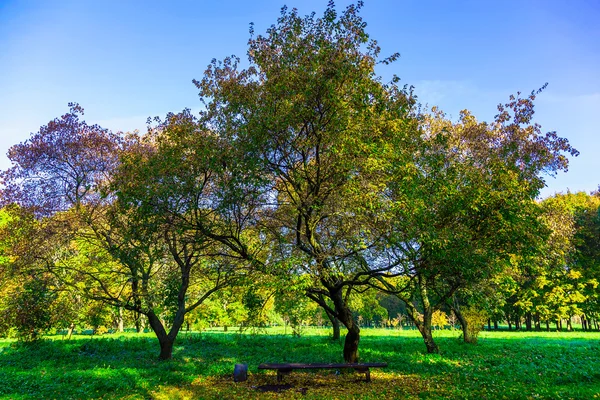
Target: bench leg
{"points": [[281, 373], [368, 375]]}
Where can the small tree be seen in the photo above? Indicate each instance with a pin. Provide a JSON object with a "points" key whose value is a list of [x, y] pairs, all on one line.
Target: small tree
{"points": [[439, 319], [29, 310], [452, 320], [296, 308], [472, 321]]}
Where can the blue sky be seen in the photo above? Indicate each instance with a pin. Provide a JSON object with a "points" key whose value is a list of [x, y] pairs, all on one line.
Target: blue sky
{"points": [[126, 60]]}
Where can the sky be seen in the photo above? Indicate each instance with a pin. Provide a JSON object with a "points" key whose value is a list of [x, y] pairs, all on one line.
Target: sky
{"points": [[125, 61]]}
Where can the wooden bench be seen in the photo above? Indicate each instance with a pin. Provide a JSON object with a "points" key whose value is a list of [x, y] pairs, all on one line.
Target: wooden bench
{"points": [[285, 369]]}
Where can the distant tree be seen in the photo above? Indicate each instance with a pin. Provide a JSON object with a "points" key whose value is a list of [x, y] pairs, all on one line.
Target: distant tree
{"points": [[225, 310], [295, 308], [29, 308], [472, 321], [368, 307], [585, 210], [439, 319]]}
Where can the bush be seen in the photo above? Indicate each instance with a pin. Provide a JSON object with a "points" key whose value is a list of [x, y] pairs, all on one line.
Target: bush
{"points": [[475, 320], [439, 319], [29, 310]]}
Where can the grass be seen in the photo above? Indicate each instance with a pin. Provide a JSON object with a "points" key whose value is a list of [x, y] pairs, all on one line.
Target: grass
{"points": [[502, 365]]}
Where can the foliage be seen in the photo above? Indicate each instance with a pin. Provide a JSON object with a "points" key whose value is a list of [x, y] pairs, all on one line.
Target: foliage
{"points": [[224, 310], [296, 309], [29, 309], [560, 279], [464, 206], [310, 116], [439, 319], [475, 319], [62, 165]]}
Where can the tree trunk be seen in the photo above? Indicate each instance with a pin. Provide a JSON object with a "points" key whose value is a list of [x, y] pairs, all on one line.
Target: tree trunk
{"points": [[489, 324], [528, 321], [344, 315], [496, 325], [569, 324], [430, 345], [166, 340], [120, 321], [351, 344], [537, 322], [464, 324], [335, 335], [423, 326], [137, 321], [335, 324], [584, 325], [166, 348], [547, 326], [70, 331]]}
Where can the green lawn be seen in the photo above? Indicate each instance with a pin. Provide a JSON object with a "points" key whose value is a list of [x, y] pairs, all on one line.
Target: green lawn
{"points": [[502, 365]]}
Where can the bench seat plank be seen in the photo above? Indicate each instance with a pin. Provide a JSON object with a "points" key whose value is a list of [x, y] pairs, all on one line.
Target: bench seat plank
{"points": [[287, 368], [320, 366]]}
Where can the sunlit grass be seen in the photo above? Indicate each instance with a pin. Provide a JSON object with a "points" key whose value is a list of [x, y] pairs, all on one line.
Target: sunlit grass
{"points": [[502, 365]]}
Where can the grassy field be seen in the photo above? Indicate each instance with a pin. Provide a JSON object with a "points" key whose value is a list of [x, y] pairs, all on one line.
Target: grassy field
{"points": [[502, 365]]}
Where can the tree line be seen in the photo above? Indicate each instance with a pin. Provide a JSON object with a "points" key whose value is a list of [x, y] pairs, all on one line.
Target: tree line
{"points": [[307, 181]]}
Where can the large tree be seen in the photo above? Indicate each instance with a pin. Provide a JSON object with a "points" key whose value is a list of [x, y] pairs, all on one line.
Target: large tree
{"points": [[181, 188], [99, 229], [465, 205], [316, 121]]}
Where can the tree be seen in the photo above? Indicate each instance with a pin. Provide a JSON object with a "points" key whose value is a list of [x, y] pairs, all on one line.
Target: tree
{"points": [[566, 284], [465, 204], [183, 191], [313, 118], [557, 281], [585, 210], [96, 236], [224, 310], [439, 319], [64, 165], [29, 309]]}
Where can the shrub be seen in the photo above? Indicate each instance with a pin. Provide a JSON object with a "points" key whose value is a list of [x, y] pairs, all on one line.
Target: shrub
{"points": [[29, 310], [475, 321], [439, 319]]}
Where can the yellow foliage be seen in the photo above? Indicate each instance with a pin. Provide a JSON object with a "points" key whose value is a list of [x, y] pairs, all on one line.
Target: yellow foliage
{"points": [[573, 274], [439, 319], [476, 319]]}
